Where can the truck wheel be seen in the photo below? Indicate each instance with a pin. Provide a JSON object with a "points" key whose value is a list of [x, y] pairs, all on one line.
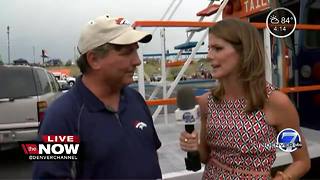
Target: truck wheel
{"points": [[71, 83]]}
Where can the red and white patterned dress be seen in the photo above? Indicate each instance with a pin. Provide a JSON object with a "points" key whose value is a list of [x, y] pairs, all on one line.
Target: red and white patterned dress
{"points": [[239, 141]]}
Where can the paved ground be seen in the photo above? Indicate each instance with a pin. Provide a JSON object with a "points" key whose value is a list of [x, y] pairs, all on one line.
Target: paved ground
{"points": [[170, 155]]}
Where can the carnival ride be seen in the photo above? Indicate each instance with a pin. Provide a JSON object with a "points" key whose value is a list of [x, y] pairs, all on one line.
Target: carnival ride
{"points": [[277, 59]]}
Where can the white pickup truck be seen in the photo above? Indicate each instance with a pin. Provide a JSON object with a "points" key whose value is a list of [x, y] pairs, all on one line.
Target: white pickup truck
{"points": [[25, 93], [62, 77]]}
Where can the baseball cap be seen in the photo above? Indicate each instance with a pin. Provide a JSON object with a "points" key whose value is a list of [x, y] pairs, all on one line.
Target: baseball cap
{"points": [[113, 30]]}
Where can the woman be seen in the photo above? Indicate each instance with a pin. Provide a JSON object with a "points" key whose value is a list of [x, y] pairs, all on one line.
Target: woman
{"points": [[241, 117]]}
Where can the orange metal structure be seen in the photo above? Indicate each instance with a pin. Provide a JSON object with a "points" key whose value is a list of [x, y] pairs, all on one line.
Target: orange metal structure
{"points": [[208, 24]]}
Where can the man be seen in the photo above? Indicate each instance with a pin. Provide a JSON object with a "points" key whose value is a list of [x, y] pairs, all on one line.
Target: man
{"points": [[116, 131]]}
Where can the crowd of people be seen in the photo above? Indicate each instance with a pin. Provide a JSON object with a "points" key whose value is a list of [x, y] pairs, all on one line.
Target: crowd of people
{"points": [[202, 74]]}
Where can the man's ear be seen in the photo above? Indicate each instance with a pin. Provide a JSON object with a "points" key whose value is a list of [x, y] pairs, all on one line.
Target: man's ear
{"points": [[93, 60]]}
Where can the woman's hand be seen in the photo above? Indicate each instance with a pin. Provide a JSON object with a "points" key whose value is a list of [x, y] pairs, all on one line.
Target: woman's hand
{"points": [[189, 142]]}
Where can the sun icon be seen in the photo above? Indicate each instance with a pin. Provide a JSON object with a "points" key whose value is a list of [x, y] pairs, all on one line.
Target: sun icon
{"points": [[274, 19]]}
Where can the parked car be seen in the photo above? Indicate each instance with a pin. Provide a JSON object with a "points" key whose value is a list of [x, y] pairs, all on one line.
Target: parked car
{"points": [[64, 85], [25, 93], [62, 77], [155, 77]]}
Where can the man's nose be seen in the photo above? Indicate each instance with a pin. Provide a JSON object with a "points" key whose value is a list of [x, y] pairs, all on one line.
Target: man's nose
{"points": [[136, 60]]}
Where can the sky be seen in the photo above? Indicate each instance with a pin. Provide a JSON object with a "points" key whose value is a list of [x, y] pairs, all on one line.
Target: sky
{"points": [[55, 25]]}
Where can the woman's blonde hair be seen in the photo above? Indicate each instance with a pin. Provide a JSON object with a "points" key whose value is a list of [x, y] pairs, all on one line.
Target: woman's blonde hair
{"points": [[246, 40]]}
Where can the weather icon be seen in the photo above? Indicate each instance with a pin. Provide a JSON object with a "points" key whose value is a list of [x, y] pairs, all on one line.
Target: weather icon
{"points": [[281, 22], [274, 19]]}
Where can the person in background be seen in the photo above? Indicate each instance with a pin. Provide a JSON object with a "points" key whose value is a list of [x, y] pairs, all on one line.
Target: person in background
{"points": [[116, 131], [241, 116]]}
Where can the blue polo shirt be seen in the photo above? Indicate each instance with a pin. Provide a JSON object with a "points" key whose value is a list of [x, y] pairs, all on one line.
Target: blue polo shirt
{"points": [[113, 145]]}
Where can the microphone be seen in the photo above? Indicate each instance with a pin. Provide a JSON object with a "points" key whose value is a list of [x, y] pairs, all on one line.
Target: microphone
{"points": [[188, 112]]}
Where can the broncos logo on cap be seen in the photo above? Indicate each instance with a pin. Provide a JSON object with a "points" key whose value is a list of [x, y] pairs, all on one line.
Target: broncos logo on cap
{"points": [[122, 21]]}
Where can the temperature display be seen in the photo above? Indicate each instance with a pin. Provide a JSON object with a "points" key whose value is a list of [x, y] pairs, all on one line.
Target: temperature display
{"points": [[281, 22]]}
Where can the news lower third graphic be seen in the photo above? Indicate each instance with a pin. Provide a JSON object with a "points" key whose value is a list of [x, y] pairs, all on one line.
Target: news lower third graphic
{"points": [[52, 148], [289, 140]]}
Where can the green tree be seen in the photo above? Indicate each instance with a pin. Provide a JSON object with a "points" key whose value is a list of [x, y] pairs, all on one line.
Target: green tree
{"points": [[68, 63]]}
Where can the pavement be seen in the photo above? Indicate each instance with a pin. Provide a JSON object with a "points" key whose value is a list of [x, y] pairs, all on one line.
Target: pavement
{"points": [[171, 157]]}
